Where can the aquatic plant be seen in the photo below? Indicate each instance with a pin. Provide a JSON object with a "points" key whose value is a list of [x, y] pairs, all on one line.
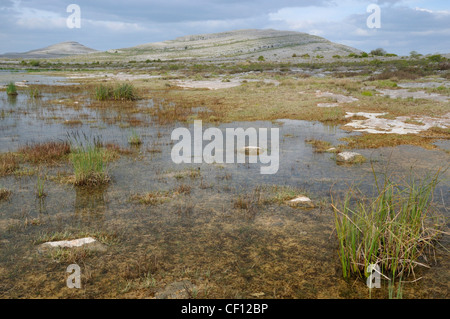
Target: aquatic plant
{"points": [[125, 91], [90, 165], [134, 139], [40, 183], [391, 230], [103, 93], [34, 93], [11, 89], [121, 92]]}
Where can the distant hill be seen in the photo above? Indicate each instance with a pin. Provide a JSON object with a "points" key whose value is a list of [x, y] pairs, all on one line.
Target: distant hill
{"points": [[53, 51], [233, 45]]}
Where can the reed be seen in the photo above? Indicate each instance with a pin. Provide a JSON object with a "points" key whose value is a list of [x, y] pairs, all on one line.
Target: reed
{"points": [[392, 230], [11, 89]]}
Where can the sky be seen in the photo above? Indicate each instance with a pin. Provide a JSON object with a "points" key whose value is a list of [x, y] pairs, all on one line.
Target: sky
{"points": [[404, 25]]}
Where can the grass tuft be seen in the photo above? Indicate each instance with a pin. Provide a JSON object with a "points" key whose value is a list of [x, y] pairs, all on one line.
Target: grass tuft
{"points": [[11, 89], [90, 165], [392, 230], [121, 92]]}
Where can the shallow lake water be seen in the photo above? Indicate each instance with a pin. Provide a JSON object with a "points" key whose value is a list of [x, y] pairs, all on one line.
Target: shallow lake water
{"points": [[273, 251]]}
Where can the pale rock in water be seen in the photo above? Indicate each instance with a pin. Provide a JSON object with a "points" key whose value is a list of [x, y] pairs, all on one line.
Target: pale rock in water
{"points": [[348, 157]]}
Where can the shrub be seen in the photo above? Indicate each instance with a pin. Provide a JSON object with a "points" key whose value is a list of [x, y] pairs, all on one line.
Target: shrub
{"points": [[261, 58], [35, 63], [436, 58], [390, 54], [378, 52]]}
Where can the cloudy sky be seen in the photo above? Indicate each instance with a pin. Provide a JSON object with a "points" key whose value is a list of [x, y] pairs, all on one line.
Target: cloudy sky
{"points": [[405, 25]]}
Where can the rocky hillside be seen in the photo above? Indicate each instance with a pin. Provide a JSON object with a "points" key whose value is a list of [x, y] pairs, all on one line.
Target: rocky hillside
{"points": [[273, 45], [53, 51]]}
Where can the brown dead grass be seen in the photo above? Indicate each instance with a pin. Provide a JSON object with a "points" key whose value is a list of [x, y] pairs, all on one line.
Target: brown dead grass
{"points": [[47, 152], [4, 194], [8, 163], [386, 140]]}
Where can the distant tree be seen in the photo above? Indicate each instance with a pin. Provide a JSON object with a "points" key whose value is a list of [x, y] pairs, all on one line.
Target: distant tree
{"points": [[364, 55], [414, 54], [261, 58], [378, 52]]}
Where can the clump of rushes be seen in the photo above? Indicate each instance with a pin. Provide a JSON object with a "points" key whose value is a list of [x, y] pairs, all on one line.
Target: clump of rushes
{"points": [[11, 89], [47, 152], [393, 230], [90, 165], [125, 92], [135, 139], [34, 93], [40, 193], [121, 92], [103, 93]]}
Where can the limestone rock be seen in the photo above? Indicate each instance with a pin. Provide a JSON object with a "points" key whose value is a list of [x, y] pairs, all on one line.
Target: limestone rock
{"points": [[86, 242], [349, 157], [300, 201]]}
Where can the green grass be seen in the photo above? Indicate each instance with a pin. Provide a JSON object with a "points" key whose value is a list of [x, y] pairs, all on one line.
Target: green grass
{"points": [[392, 230], [40, 185], [103, 93], [120, 92], [34, 93], [90, 165], [11, 89]]}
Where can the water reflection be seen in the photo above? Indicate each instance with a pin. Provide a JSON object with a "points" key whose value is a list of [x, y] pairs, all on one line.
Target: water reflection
{"points": [[90, 205]]}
